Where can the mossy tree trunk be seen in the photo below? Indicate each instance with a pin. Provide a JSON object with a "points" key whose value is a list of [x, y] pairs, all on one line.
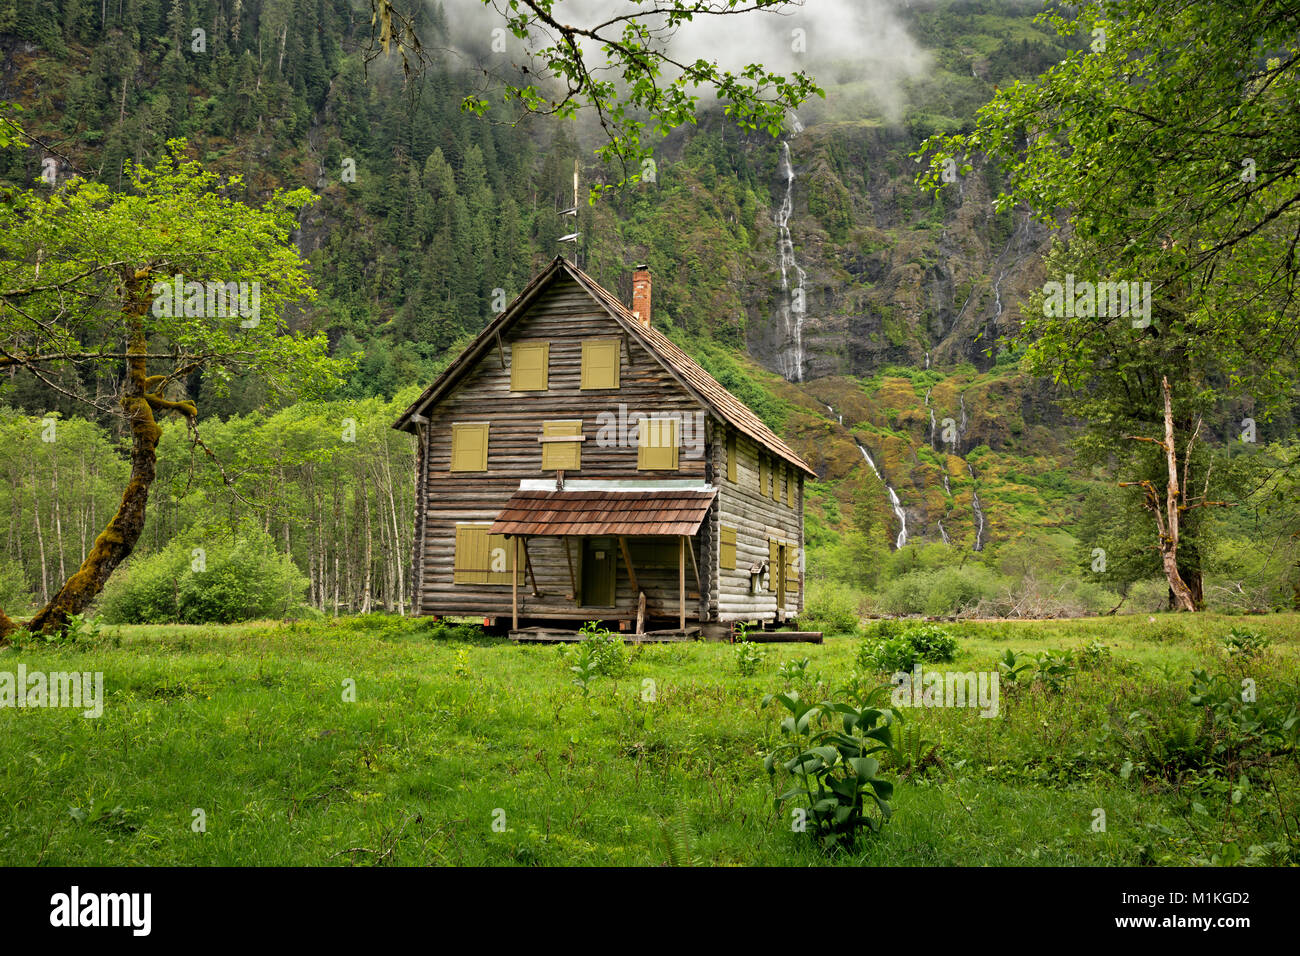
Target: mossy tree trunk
{"points": [[141, 398]]}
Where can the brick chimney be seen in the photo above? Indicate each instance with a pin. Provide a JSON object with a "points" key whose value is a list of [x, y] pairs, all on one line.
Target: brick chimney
{"points": [[641, 295]]}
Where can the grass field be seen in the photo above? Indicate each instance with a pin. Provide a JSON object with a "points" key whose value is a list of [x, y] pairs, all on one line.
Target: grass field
{"points": [[463, 749]]}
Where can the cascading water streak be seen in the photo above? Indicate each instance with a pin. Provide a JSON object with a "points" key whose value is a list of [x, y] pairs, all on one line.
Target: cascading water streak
{"points": [[893, 499], [979, 511], [793, 307]]}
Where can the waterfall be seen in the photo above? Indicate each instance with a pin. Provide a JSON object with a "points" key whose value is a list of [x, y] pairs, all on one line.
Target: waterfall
{"points": [[893, 498], [944, 533], [927, 405], [979, 511], [793, 307]]}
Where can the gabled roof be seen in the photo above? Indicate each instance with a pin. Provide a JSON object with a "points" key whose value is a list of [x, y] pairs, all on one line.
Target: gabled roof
{"points": [[707, 390]]}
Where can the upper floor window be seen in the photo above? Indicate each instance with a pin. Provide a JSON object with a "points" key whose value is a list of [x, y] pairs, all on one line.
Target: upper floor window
{"points": [[529, 366], [469, 446], [600, 363]]}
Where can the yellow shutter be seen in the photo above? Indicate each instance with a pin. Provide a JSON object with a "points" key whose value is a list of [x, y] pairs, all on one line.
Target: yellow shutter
{"points": [[561, 454], [773, 563], [482, 558], [791, 478], [727, 548], [762, 474], [471, 549], [469, 447], [529, 365], [600, 363], [778, 476], [791, 570], [657, 444], [731, 457], [500, 558]]}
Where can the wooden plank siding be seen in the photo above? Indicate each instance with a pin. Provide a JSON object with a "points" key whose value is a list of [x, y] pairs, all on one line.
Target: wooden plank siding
{"points": [[757, 519], [563, 315]]}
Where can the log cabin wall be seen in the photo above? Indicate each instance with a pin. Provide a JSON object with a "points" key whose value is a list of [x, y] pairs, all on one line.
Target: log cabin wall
{"points": [[421, 501], [562, 316], [757, 520]]}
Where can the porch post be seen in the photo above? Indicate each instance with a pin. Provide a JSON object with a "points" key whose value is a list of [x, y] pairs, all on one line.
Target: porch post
{"points": [[681, 579], [514, 585]]}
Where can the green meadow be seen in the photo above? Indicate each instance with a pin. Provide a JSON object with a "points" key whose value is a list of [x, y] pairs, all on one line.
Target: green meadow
{"points": [[384, 741]]}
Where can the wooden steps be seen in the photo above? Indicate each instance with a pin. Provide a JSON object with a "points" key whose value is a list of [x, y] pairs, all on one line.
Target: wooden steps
{"points": [[551, 635]]}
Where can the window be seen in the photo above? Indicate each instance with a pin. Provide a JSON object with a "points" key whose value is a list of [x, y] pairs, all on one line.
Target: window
{"points": [[657, 444], [727, 548], [731, 457], [562, 445], [469, 447], [529, 364], [600, 358], [482, 558]]}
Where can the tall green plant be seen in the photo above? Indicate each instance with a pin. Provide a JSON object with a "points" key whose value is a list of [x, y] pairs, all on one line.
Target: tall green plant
{"points": [[834, 787]]}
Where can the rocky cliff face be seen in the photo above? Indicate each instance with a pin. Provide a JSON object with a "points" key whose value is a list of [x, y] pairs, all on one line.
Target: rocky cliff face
{"points": [[893, 359], [891, 275]]}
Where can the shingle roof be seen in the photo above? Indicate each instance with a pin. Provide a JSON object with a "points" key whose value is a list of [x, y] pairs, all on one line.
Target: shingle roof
{"points": [[604, 512], [708, 390]]}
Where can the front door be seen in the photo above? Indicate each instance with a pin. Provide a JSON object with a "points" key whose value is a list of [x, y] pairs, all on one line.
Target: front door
{"points": [[599, 565]]}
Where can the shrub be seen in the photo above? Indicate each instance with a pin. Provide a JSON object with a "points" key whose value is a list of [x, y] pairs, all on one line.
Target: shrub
{"points": [[941, 591], [832, 608], [234, 581], [902, 650]]}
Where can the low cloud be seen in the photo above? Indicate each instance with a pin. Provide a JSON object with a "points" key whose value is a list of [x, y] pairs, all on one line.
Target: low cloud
{"points": [[859, 48]]}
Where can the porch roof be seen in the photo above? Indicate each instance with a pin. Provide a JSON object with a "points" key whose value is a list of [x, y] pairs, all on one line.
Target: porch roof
{"points": [[668, 512]]}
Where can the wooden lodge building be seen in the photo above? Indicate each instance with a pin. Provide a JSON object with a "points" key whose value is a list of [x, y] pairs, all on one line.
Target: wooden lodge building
{"points": [[575, 465]]}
